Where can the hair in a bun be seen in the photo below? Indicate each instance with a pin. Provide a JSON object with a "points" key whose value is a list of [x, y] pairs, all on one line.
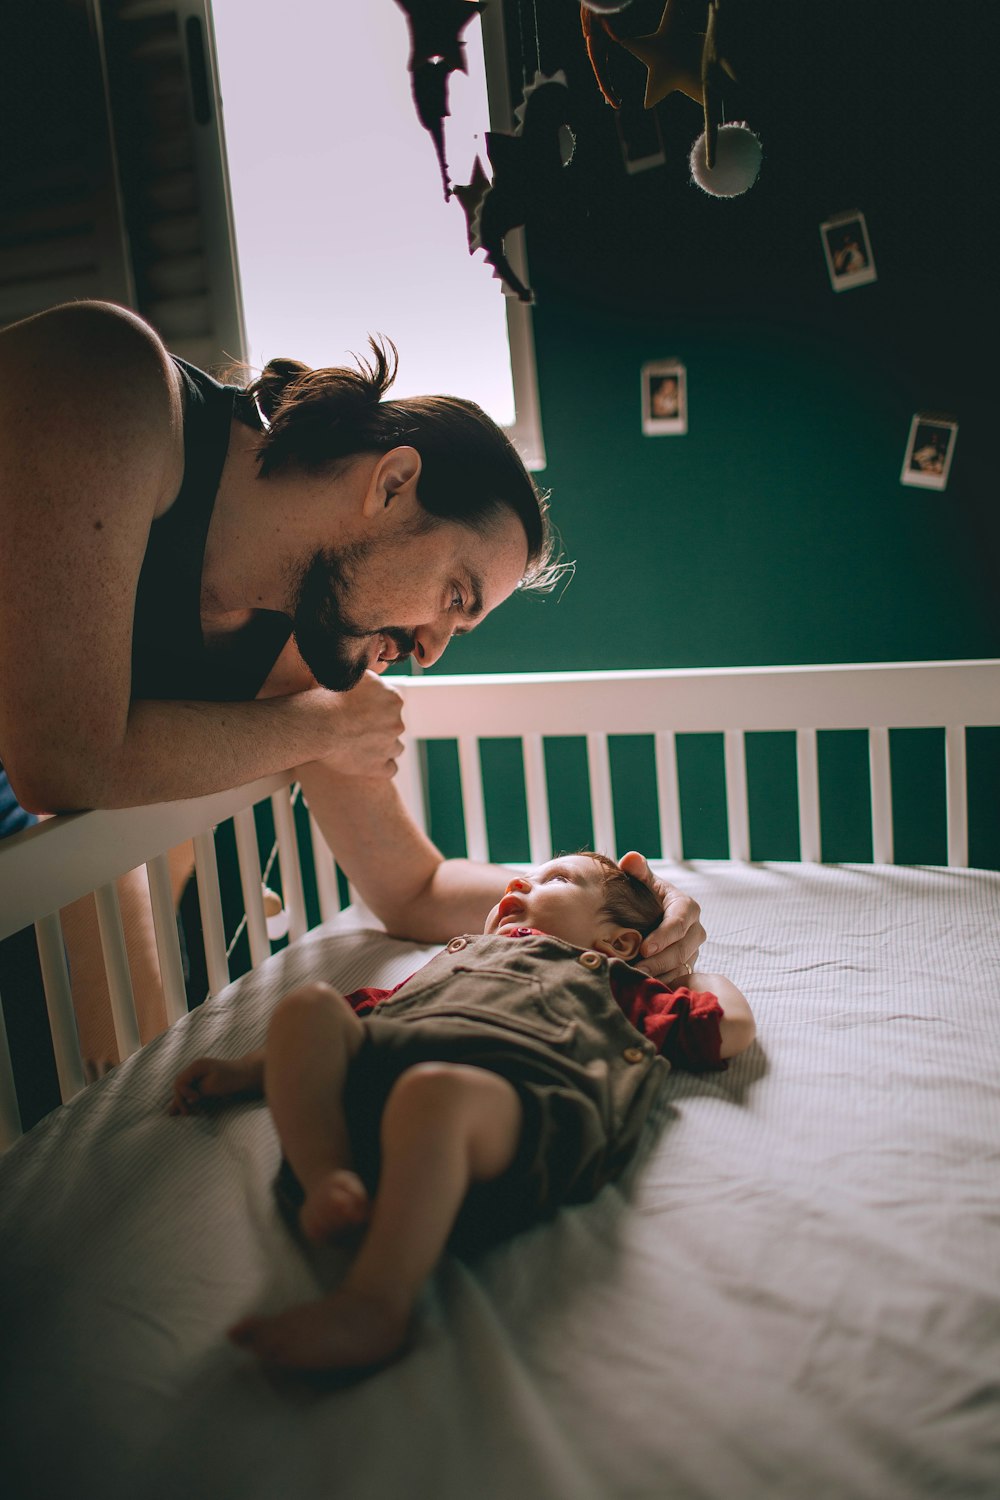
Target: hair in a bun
{"points": [[470, 470], [269, 387]]}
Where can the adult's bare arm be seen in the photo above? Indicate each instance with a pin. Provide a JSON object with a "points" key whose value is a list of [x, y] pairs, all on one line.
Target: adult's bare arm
{"points": [[187, 749], [91, 451], [407, 882], [399, 873]]}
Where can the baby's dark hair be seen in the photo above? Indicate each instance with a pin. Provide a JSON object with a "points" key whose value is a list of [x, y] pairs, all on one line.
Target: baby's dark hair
{"points": [[626, 899]]}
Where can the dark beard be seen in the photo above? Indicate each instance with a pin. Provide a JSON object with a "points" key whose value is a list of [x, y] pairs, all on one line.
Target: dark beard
{"points": [[324, 632]]}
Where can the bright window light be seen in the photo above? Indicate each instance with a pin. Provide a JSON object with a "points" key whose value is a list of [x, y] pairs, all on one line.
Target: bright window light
{"points": [[341, 224]]}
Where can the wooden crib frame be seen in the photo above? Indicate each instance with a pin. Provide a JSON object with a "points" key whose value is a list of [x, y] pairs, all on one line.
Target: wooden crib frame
{"points": [[46, 867]]}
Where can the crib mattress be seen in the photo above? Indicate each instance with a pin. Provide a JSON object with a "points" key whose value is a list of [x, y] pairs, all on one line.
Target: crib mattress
{"points": [[796, 1293]]}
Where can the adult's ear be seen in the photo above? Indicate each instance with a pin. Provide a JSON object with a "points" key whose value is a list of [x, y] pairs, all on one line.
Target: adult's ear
{"points": [[392, 484], [624, 942]]}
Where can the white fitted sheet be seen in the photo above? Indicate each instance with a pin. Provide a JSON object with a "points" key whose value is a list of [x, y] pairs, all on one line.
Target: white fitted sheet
{"points": [[797, 1295]]}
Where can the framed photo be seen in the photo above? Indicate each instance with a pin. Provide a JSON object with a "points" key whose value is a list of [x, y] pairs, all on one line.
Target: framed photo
{"points": [[848, 251], [664, 398], [929, 451]]}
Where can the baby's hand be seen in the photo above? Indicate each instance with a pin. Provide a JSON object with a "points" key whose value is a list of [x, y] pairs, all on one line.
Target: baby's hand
{"points": [[212, 1078]]}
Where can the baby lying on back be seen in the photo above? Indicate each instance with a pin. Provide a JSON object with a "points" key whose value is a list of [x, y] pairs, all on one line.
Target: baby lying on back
{"points": [[511, 1075]]}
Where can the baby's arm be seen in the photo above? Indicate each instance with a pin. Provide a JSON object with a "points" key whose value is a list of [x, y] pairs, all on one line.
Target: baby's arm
{"points": [[737, 1027], [216, 1078]]}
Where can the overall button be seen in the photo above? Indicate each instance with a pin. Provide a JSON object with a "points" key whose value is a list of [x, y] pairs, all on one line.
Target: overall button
{"points": [[590, 960], [633, 1054], [456, 945]]}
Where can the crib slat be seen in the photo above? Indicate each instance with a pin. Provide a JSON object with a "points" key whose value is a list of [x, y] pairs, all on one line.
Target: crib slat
{"points": [[210, 905], [668, 795], [473, 808], [737, 808], [59, 1004], [601, 801], [956, 795], [10, 1110], [537, 795], [409, 779], [881, 782], [109, 923], [168, 946], [291, 869], [326, 873], [807, 771], [248, 859]]}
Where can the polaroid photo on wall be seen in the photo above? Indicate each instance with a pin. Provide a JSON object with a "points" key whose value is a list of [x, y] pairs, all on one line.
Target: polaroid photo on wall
{"points": [[664, 398], [848, 251], [929, 451]]}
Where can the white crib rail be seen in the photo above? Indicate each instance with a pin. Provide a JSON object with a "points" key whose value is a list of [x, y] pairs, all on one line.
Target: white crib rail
{"points": [[47, 867], [874, 697]]}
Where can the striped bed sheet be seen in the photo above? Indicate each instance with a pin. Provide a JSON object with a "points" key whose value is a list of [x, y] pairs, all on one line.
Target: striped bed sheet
{"points": [[794, 1293]]}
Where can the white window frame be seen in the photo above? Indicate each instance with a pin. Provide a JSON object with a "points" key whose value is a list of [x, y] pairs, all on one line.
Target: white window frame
{"points": [[526, 430], [526, 433]]}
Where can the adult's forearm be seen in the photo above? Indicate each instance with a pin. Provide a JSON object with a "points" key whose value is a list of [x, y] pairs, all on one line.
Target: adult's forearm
{"points": [[457, 899], [398, 872], [171, 750]]}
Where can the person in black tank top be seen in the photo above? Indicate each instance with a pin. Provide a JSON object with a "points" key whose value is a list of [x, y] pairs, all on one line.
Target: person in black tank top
{"points": [[179, 535], [251, 495], [170, 658], [115, 628]]}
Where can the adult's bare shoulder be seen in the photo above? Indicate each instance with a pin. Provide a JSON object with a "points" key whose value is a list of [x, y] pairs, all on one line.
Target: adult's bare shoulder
{"points": [[83, 379], [91, 450]]}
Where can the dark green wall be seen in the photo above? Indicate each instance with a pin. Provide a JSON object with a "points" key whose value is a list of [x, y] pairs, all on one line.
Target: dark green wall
{"points": [[776, 530]]}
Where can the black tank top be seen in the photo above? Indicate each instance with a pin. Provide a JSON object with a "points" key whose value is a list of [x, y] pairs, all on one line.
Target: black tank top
{"points": [[170, 657]]}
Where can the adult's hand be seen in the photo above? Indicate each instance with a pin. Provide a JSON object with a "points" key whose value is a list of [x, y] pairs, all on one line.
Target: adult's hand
{"points": [[362, 728], [670, 951]]}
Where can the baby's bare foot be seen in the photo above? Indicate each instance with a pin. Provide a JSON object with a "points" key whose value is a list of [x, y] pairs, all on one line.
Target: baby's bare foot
{"points": [[335, 1206], [344, 1331]]}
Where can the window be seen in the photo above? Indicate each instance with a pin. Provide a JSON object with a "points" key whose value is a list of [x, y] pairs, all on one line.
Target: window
{"points": [[340, 220]]}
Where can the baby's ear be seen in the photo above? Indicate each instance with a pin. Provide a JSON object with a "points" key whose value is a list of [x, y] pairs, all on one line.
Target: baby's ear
{"points": [[624, 942]]}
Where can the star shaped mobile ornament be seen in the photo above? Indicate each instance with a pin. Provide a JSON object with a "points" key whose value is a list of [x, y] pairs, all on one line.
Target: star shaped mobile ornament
{"points": [[436, 51], [677, 59], [689, 62], [470, 196], [672, 55], [527, 175]]}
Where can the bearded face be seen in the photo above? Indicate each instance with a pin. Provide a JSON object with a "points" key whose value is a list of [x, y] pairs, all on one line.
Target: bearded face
{"points": [[333, 642]]}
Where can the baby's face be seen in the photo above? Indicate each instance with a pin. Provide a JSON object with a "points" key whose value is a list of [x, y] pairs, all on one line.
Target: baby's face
{"points": [[563, 897]]}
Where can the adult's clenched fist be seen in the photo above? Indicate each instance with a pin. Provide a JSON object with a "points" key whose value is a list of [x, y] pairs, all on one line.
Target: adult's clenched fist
{"points": [[363, 728]]}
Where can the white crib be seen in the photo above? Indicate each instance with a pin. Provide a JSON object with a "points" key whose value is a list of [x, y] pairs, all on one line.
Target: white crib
{"points": [[797, 1288], [45, 868]]}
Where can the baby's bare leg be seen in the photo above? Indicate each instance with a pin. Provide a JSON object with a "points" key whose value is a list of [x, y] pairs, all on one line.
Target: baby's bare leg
{"points": [[445, 1126], [311, 1039]]}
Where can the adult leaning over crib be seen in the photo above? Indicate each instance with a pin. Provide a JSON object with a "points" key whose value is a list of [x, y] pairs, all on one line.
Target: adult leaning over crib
{"points": [[200, 582], [194, 575]]}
